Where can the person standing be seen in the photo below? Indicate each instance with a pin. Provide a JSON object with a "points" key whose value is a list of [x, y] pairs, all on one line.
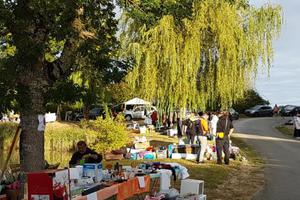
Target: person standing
{"points": [[213, 124], [154, 118], [190, 130], [202, 130], [224, 130], [296, 120], [179, 127], [276, 110]]}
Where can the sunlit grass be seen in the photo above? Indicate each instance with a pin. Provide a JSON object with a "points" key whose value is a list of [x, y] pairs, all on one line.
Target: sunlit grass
{"points": [[287, 130]]}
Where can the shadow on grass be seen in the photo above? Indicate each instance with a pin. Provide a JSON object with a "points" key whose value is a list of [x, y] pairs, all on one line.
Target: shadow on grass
{"points": [[159, 143]]}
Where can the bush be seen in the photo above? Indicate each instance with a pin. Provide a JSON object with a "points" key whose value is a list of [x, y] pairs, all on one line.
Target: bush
{"points": [[7, 131], [102, 134], [109, 134]]}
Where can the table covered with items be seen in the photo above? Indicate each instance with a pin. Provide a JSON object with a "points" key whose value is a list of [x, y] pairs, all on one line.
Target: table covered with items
{"points": [[151, 180]]}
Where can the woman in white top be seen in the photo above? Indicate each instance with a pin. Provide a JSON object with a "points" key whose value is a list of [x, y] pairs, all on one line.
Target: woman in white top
{"points": [[213, 124], [296, 120]]}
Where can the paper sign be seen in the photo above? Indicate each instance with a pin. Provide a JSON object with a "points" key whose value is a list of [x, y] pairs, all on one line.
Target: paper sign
{"points": [[92, 196], [41, 126], [141, 180], [74, 173]]}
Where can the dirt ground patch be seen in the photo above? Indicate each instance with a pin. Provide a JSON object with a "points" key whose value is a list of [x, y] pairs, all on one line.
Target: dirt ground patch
{"points": [[242, 183]]}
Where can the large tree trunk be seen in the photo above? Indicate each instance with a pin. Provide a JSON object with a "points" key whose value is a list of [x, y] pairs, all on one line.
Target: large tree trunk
{"points": [[31, 144], [32, 140]]}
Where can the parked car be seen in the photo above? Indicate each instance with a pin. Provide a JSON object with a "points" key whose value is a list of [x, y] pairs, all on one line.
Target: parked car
{"points": [[139, 112], [93, 114], [260, 111], [234, 115], [290, 110]]}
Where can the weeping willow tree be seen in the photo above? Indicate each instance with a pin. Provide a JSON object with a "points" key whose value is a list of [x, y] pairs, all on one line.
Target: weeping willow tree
{"points": [[204, 59]]}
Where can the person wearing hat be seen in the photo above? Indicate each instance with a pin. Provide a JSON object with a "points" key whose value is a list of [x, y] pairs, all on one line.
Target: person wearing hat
{"points": [[224, 130]]}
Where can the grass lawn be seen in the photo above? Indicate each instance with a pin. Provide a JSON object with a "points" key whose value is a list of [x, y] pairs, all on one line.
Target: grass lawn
{"points": [[239, 180], [286, 129]]}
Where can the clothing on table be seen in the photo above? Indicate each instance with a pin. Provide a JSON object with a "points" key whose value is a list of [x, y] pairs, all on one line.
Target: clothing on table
{"points": [[77, 156]]}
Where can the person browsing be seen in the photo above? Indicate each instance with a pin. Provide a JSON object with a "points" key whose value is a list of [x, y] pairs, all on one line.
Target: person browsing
{"points": [[224, 130], [84, 154]]}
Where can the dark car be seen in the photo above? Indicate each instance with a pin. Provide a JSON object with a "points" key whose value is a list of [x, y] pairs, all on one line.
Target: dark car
{"points": [[260, 111], [290, 110], [234, 115], [93, 114]]}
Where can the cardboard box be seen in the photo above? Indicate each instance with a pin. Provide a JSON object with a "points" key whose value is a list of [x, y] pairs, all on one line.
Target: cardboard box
{"points": [[141, 145], [111, 156], [49, 185], [191, 186], [161, 154], [93, 170], [172, 132]]}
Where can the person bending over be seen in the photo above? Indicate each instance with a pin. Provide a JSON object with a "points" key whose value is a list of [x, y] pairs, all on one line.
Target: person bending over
{"points": [[84, 153]]}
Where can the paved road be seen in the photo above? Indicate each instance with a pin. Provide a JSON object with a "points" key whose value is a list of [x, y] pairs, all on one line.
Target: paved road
{"points": [[281, 153]]}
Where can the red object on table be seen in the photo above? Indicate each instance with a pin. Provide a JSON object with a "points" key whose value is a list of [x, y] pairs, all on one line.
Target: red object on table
{"points": [[48, 185], [3, 197]]}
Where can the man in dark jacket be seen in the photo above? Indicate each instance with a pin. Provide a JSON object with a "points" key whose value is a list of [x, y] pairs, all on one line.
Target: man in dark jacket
{"points": [[224, 130], [84, 153]]}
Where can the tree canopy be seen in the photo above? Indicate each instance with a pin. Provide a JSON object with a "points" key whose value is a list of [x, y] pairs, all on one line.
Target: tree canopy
{"points": [[197, 54], [41, 44]]}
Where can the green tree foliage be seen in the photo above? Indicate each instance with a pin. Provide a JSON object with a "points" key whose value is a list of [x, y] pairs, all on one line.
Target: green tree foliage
{"points": [[196, 54], [110, 134], [41, 43], [250, 99]]}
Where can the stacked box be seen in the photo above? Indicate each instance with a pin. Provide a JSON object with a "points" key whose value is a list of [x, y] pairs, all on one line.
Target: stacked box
{"points": [[141, 145], [49, 185], [93, 170], [191, 186], [161, 154]]}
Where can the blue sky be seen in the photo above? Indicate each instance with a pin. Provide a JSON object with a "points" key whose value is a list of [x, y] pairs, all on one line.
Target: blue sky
{"points": [[282, 86]]}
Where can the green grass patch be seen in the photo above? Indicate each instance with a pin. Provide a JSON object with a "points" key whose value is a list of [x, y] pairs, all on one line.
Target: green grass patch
{"points": [[215, 176], [212, 174], [248, 152], [285, 130]]}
